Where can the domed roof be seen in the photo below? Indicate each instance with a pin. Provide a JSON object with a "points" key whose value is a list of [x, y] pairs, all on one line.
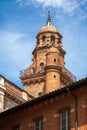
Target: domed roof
{"points": [[48, 28]]}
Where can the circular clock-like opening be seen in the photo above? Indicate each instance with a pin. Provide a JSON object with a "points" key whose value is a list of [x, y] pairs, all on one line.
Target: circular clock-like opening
{"points": [[54, 76], [55, 60]]}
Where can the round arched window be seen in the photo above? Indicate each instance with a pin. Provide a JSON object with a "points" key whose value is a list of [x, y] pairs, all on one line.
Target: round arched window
{"points": [[32, 70], [44, 39], [52, 39], [39, 94], [42, 66]]}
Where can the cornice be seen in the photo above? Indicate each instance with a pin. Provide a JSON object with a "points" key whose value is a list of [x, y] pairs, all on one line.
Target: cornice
{"points": [[33, 78], [14, 96], [40, 33], [49, 67]]}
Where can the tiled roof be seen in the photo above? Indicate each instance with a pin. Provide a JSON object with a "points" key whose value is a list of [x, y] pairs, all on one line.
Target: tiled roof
{"points": [[16, 86], [71, 87]]}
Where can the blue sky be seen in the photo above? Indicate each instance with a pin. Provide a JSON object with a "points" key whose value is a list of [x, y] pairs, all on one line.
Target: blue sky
{"points": [[21, 20]]}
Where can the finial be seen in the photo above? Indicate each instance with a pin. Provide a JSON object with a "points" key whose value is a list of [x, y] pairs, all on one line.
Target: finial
{"points": [[49, 23]]}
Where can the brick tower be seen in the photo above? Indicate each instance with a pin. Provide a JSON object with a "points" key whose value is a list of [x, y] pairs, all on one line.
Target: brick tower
{"points": [[47, 72]]}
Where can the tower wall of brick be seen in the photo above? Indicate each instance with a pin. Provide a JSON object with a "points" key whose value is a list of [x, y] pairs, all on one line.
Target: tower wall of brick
{"points": [[52, 72], [35, 89], [52, 80], [48, 64]]}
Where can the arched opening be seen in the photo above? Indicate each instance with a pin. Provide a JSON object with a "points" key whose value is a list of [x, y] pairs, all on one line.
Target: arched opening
{"points": [[32, 70], [39, 94], [44, 39], [52, 39], [41, 66]]}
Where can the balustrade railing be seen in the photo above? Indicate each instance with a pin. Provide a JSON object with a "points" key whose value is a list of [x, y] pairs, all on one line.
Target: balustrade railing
{"points": [[71, 75]]}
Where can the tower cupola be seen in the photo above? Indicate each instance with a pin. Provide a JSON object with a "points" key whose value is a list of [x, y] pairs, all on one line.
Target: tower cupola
{"points": [[49, 35], [47, 71]]}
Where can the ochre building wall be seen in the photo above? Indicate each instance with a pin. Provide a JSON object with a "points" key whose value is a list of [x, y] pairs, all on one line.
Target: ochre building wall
{"points": [[50, 111]]}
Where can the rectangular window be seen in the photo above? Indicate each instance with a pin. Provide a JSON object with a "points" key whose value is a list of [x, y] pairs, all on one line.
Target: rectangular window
{"points": [[65, 120], [38, 124]]}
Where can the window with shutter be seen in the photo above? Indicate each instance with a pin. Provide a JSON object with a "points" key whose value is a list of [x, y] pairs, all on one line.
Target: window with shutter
{"points": [[65, 120]]}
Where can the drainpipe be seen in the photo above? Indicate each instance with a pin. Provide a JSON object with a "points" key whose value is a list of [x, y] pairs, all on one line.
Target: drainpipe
{"points": [[76, 108]]}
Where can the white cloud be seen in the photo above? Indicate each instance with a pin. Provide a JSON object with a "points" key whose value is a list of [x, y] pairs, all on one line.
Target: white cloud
{"points": [[66, 5], [12, 44], [14, 51], [77, 8]]}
